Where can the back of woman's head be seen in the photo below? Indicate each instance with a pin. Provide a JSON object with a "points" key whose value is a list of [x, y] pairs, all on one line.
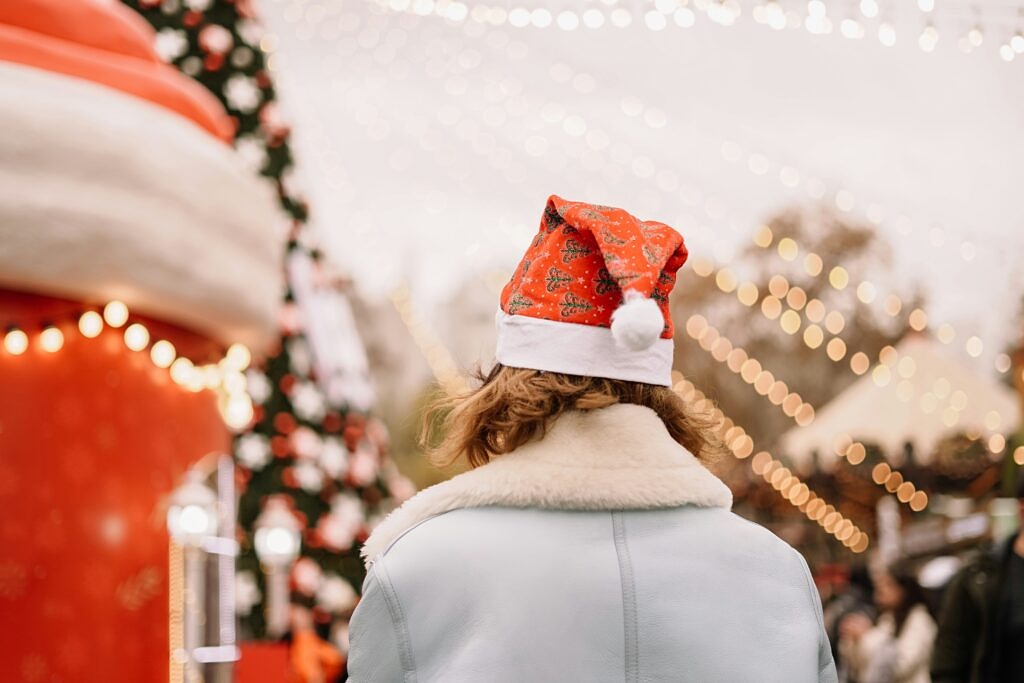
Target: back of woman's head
{"points": [[514, 405]]}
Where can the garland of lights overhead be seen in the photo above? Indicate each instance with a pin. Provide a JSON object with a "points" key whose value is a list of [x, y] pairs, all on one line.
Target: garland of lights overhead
{"points": [[872, 16], [780, 290], [226, 376], [789, 176], [766, 384], [839, 279], [789, 486], [723, 350], [758, 163], [815, 311]]}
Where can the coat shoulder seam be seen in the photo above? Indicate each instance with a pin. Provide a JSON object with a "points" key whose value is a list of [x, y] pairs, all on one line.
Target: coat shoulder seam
{"points": [[629, 603], [398, 621]]}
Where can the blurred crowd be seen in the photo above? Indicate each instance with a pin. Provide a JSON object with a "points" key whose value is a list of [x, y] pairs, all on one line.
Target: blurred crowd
{"points": [[886, 628]]}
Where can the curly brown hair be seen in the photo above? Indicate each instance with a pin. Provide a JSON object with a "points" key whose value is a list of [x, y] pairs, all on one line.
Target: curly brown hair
{"points": [[515, 405]]}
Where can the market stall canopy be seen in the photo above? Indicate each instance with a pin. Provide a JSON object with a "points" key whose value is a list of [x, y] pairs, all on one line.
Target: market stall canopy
{"points": [[922, 395]]}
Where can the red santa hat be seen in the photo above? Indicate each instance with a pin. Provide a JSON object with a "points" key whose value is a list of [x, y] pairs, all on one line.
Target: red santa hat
{"points": [[590, 297]]}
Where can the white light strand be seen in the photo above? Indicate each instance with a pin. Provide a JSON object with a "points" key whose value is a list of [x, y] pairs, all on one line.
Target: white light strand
{"points": [[777, 392], [665, 13], [789, 486], [225, 377]]}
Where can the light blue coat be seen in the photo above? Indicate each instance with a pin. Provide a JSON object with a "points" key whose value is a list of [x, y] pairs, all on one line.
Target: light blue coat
{"points": [[604, 552]]}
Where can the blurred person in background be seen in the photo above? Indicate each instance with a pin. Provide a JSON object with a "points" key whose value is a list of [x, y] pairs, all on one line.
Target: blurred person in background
{"points": [[897, 648], [589, 542], [981, 627], [845, 592]]}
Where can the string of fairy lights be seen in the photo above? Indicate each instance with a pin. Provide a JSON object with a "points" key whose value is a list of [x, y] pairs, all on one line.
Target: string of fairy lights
{"points": [[758, 163], [890, 366], [867, 292], [297, 12], [775, 390], [226, 376], [852, 20], [775, 473], [781, 292], [740, 362]]}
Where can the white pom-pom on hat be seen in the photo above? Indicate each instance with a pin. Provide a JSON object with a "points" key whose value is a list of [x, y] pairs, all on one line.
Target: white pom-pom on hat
{"points": [[638, 322]]}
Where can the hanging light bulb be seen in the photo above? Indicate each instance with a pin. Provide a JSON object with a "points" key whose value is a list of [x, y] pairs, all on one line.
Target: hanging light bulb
{"points": [[817, 22], [886, 34], [684, 17], [1017, 42], [851, 28], [774, 15], [162, 353], [929, 38], [237, 357], [15, 342], [90, 324], [51, 339], [568, 21], [115, 313], [136, 337], [655, 20], [593, 18], [975, 36], [869, 8]]}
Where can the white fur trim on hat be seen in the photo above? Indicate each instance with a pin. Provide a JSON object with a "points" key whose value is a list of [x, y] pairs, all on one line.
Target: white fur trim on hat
{"points": [[574, 349]]}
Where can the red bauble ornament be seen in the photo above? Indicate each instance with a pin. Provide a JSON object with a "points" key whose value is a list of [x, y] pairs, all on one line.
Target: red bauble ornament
{"points": [[280, 446], [213, 62], [284, 423]]}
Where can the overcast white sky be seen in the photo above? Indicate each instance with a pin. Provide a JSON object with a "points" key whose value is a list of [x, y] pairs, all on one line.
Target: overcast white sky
{"points": [[428, 147]]}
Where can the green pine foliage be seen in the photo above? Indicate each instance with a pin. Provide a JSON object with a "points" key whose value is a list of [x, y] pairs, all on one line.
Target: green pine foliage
{"points": [[325, 460]]}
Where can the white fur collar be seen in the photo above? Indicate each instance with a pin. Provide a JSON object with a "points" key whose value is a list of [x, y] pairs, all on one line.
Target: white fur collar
{"points": [[615, 458]]}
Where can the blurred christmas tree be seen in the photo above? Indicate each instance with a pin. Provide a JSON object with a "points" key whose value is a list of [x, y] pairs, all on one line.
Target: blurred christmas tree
{"points": [[325, 461]]}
